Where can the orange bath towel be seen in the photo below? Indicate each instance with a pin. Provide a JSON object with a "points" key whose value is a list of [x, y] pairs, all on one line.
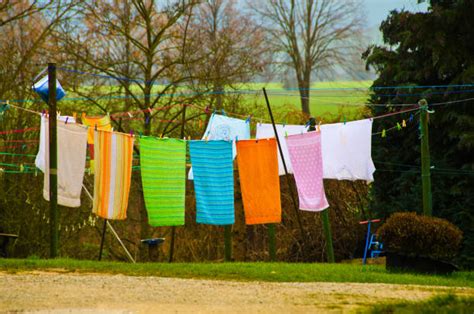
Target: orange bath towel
{"points": [[259, 180]]}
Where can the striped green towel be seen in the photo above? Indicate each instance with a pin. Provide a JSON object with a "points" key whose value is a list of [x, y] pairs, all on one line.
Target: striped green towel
{"points": [[163, 169]]}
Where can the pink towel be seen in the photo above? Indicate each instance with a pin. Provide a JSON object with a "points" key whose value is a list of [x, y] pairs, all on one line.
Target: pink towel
{"points": [[306, 158]]}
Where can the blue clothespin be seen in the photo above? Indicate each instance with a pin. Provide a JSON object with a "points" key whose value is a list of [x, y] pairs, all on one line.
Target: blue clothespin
{"points": [[223, 112], [248, 119], [411, 118], [147, 120], [307, 124], [67, 118], [236, 138]]}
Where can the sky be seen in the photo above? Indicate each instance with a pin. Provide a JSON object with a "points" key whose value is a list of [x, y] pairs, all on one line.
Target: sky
{"points": [[377, 10]]}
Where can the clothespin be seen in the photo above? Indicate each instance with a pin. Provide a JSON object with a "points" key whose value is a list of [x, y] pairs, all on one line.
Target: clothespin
{"points": [[410, 119], [286, 134], [399, 127], [248, 119], [23, 147], [344, 117], [384, 134], [404, 124], [206, 138], [308, 123], [206, 110], [83, 115], [22, 168], [189, 137], [74, 115], [140, 134], [318, 127], [223, 112], [147, 120], [236, 138], [129, 114], [67, 118]]}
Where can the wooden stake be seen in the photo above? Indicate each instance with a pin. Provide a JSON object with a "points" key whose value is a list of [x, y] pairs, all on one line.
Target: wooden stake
{"points": [[53, 162]]}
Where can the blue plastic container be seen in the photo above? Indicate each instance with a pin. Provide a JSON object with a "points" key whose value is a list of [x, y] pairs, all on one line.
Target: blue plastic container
{"points": [[41, 87]]}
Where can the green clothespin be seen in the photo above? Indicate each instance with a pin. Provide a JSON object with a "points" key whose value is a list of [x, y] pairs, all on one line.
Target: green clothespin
{"points": [[384, 133], [399, 127]]}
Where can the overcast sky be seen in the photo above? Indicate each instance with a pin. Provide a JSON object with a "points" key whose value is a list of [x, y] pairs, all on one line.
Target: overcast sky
{"points": [[377, 10]]}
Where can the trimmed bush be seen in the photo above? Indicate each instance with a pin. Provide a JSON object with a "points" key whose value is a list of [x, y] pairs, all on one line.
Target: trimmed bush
{"points": [[415, 235]]}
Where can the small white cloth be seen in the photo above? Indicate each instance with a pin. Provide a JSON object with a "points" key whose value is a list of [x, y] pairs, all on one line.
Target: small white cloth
{"points": [[265, 130], [225, 128], [72, 149], [40, 157], [347, 150]]}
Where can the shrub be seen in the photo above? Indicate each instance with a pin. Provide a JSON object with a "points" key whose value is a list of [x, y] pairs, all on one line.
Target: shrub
{"points": [[415, 235]]}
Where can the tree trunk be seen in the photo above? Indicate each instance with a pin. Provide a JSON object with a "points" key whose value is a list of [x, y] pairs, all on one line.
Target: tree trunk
{"points": [[304, 95]]}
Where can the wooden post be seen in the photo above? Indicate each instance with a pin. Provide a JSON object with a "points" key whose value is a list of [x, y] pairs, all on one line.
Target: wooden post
{"points": [[53, 162], [425, 159], [325, 214], [290, 186], [272, 242], [173, 228], [228, 243], [102, 239]]}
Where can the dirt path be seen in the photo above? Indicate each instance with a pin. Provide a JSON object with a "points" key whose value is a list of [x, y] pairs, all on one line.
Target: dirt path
{"points": [[49, 292]]}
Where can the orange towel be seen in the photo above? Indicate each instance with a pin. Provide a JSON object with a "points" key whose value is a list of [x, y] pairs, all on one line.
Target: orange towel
{"points": [[99, 123], [259, 180]]}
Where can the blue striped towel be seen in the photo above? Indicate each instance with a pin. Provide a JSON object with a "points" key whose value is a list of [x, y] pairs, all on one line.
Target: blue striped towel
{"points": [[213, 181]]}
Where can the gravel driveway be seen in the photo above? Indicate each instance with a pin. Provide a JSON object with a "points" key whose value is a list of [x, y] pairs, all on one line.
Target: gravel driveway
{"points": [[56, 292]]}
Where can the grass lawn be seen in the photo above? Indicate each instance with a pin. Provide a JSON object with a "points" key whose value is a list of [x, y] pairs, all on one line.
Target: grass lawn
{"points": [[439, 304], [275, 272]]}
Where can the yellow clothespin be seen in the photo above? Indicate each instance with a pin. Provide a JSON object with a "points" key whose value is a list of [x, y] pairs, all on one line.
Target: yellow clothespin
{"points": [[384, 133], [404, 124], [74, 115]]}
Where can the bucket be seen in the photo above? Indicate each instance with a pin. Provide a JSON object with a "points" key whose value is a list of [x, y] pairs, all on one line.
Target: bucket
{"points": [[41, 87]]}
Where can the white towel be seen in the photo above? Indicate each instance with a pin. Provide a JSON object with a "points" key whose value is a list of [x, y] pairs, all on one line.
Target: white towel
{"points": [[347, 149], [72, 148], [40, 157], [265, 130]]}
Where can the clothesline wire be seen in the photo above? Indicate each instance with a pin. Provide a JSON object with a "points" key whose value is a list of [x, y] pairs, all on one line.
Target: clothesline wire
{"points": [[325, 88]]}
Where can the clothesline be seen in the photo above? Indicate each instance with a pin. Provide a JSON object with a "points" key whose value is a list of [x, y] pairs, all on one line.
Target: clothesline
{"points": [[326, 88]]}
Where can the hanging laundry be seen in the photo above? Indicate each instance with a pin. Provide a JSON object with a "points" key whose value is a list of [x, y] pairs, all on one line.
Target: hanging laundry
{"points": [[163, 171], [265, 130], [43, 142], [306, 158], [71, 162], [224, 128], [259, 180], [347, 149], [213, 181], [95, 123], [114, 153]]}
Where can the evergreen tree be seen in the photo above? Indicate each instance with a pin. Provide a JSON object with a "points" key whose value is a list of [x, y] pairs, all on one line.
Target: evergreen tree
{"points": [[427, 49]]}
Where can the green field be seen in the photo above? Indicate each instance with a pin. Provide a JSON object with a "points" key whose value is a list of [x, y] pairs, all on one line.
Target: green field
{"points": [[274, 272], [329, 101]]}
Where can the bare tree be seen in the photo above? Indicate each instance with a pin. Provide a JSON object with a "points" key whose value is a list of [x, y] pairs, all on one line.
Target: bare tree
{"points": [[138, 43], [11, 11], [232, 46], [313, 35]]}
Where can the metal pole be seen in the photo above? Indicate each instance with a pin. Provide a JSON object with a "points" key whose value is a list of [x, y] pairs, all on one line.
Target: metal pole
{"points": [[53, 161], [173, 228], [295, 205], [364, 260], [272, 242], [425, 159], [228, 243], [325, 214], [102, 240]]}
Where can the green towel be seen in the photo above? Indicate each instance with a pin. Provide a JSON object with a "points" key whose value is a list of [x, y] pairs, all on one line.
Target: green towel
{"points": [[163, 169]]}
